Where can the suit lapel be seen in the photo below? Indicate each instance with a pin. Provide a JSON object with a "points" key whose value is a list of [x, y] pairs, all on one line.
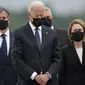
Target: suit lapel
{"points": [[83, 56], [44, 36], [11, 41], [31, 37], [75, 55]]}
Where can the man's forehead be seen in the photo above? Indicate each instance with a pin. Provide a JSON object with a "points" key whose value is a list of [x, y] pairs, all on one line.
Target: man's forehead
{"points": [[38, 8], [3, 13], [37, 11]]}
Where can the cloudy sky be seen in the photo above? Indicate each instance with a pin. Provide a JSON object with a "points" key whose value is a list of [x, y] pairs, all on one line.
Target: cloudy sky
{"points": [[59, 6]]}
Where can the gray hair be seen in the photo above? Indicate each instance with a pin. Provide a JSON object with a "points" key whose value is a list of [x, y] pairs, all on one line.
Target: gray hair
{"points": [[35, 3], [48, 9]]}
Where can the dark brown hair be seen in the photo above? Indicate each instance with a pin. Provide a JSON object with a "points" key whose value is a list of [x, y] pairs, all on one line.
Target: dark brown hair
{"points": [[75, 21]]}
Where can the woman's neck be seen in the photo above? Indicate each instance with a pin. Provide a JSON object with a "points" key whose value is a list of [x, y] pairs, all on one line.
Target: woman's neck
{"points": [[78, 44]]}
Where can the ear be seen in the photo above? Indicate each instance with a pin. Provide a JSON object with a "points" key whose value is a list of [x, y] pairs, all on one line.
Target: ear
{"points": [[30, 17], [28, 14], [8, 19]]}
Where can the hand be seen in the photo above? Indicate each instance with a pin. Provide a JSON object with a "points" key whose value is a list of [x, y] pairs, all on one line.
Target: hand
{"points": [[36, 77], [42, 79]]}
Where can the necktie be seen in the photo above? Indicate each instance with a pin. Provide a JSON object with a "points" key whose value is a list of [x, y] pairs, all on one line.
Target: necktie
{"points": [[4, 45], [37, 36]]}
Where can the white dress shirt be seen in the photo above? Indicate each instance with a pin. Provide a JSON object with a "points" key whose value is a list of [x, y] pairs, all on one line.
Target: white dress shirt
{"points": [[7, 40], [52, 27], [79, 52], [40, 33]]}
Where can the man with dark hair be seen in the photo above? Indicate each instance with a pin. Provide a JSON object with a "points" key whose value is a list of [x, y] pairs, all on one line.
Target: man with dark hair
{"points": [[61, 34], [7, 73]]}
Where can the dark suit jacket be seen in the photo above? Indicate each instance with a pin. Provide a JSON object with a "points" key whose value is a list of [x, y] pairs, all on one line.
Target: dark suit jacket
{"points": [[27, 57], [62, 37], [72, 71], [7, 73]]}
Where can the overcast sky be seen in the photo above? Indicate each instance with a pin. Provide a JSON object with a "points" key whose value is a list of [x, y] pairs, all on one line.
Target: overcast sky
{"points": [[59, 6]]}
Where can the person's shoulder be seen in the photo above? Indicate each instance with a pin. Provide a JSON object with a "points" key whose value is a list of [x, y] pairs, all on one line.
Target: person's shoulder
{"points": [[20, 29], [68, 46], [48, 29], [65, 47], [60, 30]]}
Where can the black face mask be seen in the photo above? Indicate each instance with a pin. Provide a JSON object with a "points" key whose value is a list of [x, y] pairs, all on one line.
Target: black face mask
{"points": [[77, 36], [37, 22], [47, 22], [3, 24]]}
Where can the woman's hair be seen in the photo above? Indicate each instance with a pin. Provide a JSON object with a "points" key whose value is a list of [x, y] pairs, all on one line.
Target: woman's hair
{"points": [[75, 21]]}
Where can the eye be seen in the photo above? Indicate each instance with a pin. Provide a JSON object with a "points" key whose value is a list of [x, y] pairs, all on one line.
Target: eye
{"points": [[47, 17], [3, 17], [80, 30], [75, 30]]}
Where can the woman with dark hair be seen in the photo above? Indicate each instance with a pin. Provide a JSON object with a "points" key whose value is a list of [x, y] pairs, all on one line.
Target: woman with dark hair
{"points": [[73, 62]]}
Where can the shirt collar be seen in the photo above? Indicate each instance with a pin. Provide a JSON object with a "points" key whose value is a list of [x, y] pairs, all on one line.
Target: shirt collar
{"points": [[52, 27], [6, 33], [33, 27]]}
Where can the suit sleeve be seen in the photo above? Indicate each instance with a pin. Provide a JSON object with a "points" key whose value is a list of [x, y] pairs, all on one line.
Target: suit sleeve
{"points": [[67, 39], [56, 58], [62, 69], [17, 52]]}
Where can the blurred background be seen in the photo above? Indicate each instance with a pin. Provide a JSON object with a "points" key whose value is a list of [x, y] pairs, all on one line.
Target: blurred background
{"points": [[63, 11]]}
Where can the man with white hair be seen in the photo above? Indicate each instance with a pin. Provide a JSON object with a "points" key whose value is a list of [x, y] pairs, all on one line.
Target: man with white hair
{"points": [[48, 18], [36, 55]]}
